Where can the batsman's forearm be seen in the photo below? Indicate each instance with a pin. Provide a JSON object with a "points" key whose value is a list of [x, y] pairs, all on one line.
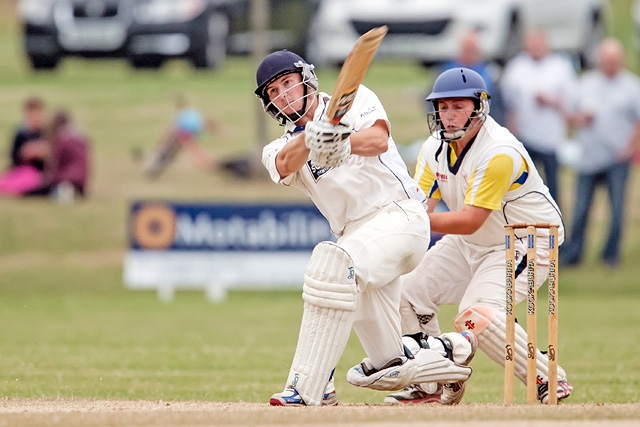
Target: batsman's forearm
{"points": [[292, 156]]}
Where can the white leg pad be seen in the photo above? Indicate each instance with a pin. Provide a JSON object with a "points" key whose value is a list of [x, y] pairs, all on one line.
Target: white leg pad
{"points": [[330, 296], [491, 330]]}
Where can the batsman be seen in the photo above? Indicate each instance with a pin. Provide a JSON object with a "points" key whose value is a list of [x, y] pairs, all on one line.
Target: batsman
{"points": [[355, 176], [487, 179]]}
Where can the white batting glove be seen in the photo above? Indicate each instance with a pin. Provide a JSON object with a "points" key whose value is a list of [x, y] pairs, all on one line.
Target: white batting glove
{"points": [[329, 144], [331, 159]]}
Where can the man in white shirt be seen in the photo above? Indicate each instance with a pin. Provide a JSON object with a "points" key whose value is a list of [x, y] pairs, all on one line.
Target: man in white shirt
{"points": [[536, 87], [487, 179], [355, 176], [607, 121]]}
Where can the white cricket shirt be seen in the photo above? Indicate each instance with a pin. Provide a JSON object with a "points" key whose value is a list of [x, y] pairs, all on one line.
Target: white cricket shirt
{"points": [[361, 185], [496, 173], [541, 127]]}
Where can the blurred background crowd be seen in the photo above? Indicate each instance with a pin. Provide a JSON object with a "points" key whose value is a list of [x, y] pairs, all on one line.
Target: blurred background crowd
{"points": [[560, 77]]}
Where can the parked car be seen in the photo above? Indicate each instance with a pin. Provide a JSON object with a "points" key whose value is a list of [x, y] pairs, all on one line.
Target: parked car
{"points": [[146, 32], [428, 31]]}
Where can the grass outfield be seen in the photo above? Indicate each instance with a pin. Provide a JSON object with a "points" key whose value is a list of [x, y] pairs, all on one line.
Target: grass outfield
{"points": [[102, 342], [72, 335]]}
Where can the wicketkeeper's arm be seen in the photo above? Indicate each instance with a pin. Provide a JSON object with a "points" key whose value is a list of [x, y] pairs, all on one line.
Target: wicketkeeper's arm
{"points": [[467, 221]]}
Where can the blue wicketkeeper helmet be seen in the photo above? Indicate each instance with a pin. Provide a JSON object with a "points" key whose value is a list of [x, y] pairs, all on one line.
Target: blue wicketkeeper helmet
{"points": [[458, 83]]}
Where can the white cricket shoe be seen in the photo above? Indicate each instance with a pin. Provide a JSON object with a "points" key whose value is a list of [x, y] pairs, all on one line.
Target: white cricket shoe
{"points": [[290, 397], [564, 390], [414, 393]]}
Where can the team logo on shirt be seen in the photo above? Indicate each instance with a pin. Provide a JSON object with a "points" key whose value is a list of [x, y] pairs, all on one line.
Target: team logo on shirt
{"points": [[368, 111], [441, 177], [423, 319], [316, 171]]}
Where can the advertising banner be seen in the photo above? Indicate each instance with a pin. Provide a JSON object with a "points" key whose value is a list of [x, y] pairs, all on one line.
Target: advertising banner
{"points": [[217, 247]]}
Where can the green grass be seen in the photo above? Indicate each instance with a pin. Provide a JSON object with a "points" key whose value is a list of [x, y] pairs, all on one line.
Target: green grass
{"points": [[102, 342], [69, 328]]}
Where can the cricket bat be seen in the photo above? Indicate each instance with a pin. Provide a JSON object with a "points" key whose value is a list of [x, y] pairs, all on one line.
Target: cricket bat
{"points": [[352, 73]]}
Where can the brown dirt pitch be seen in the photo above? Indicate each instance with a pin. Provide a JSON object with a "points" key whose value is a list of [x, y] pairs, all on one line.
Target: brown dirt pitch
{"points": [[93, 413]]}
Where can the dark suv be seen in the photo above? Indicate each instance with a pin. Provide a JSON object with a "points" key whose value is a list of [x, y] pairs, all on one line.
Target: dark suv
{"points": [[146, 32]]}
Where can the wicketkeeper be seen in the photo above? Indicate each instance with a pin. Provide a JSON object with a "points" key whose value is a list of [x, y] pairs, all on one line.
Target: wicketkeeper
{"points": [[487, 179], [356, 178]]}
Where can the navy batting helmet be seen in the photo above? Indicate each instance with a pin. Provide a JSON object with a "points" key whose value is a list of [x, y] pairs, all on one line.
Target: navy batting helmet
{"points": [[276, 65], [458, 83]]}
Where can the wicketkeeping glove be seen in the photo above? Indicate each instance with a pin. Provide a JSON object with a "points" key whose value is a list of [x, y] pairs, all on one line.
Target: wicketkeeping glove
{"points": [[329, 144]]}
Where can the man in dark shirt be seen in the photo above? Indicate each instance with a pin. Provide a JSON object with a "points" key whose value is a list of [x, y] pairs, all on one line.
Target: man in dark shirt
{"points": [[29, 154], [30, 130]]}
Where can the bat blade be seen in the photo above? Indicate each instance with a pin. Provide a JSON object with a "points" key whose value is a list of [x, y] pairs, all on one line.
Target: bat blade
{"points": [[352, 73]]}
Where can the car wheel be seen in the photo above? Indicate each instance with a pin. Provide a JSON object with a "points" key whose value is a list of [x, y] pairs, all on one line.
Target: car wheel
{"points": [[148, 62], [596, 34], [43, 62], [210, 48], [513, 40]]}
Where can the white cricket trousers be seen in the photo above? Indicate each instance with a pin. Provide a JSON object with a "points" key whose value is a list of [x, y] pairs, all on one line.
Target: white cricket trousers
{"points": [[455, 272], [384, 246]]}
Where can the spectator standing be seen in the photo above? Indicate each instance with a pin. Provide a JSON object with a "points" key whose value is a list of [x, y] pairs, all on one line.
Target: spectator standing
{"points": [[536, 87], [607, 123], [469, 56]]}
